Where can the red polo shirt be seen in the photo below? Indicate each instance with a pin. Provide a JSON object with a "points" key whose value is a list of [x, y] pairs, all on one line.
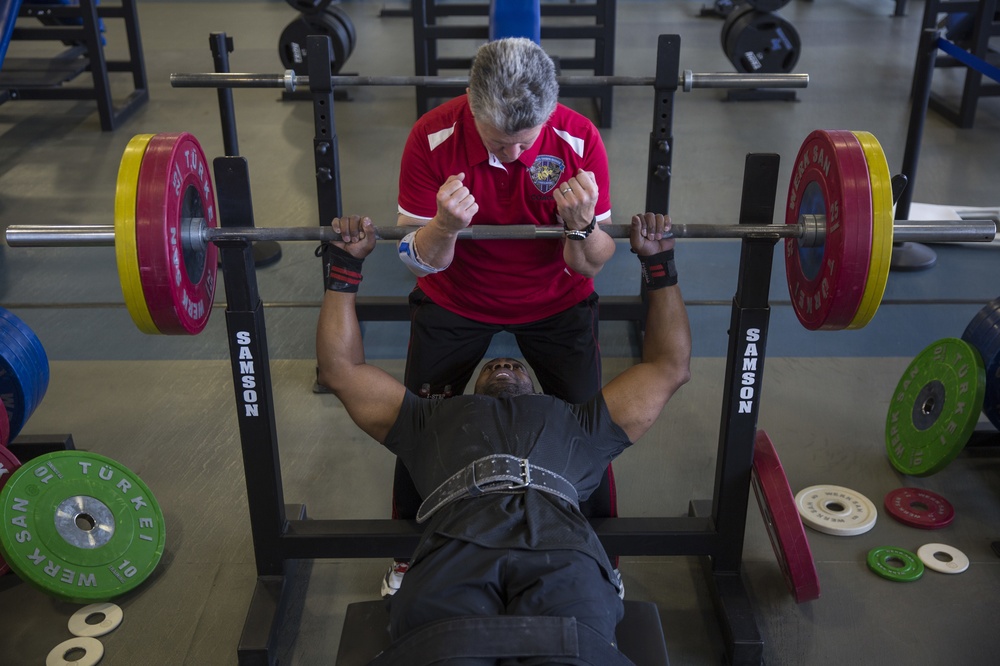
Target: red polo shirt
{"points": [[502, 281]]}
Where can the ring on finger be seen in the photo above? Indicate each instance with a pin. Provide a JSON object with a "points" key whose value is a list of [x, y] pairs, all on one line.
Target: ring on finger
{"points": [[567, 191]]}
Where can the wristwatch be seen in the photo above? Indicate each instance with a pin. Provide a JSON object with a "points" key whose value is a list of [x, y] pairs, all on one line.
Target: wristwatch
{"points": [[579, 234]]}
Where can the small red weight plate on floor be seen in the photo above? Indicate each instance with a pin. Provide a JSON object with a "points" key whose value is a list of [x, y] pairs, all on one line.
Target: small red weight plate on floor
{"points": [[8, 465], [784, 526], [919, 508], [830, 178], [174, 194]]}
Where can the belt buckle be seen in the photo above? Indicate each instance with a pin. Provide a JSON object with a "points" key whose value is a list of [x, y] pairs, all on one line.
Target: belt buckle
{"points": [[525, 475]]}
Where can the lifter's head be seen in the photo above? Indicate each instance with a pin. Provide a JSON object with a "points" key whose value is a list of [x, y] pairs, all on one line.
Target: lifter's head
{"points": [[512, 87], [504, 378]]}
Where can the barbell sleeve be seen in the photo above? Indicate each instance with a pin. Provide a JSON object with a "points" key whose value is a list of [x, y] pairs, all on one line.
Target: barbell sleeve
{"points": [[810, 232], [735, 80], [290, 81]]}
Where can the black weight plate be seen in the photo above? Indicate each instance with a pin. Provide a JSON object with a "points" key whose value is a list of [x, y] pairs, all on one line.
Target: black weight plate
{"points": [[338, 13], [767, 5], [293, 40], [309, 6], [738, 12], [340, 38], [763, 43]]}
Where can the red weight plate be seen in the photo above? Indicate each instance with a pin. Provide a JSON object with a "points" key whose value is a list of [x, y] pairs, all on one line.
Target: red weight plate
{"points": [[174, 193], [8, 465], [919, 508], [784, 526], [830, 178]]}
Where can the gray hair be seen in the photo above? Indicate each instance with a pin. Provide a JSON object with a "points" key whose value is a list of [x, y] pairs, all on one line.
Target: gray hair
{"points": [[512, 85]]}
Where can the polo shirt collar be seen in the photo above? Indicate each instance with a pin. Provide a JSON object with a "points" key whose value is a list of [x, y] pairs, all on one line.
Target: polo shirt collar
{"points": [[475, 150]]}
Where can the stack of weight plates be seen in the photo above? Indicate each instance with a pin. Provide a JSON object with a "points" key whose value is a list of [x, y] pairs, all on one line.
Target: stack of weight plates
{"points": [[983, 333], [24, 371], [758, 41], [331, 21]]}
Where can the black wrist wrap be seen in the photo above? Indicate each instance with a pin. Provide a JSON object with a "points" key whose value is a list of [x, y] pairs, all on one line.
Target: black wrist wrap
{"points": [[341, 271], [658, 270]]}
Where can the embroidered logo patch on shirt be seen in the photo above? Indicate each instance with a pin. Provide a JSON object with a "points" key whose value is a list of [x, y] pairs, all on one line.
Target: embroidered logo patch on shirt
{"points": [[545, 172]]}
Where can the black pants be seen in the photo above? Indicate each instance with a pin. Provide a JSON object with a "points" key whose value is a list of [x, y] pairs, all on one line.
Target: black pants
{"points": [[445, 349], [464, 579]]}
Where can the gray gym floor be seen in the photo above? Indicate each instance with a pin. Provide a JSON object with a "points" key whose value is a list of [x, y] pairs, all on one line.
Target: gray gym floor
{"points": [[163, 406]]}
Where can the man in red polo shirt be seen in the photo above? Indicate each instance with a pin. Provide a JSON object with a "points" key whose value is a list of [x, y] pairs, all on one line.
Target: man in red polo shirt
{"points": [[504, 153]]}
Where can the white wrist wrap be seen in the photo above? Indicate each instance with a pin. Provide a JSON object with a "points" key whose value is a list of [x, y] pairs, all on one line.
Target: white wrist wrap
{"points": [[408, 255]]}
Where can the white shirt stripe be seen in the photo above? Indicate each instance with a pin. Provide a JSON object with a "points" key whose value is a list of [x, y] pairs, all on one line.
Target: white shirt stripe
{"points": [[575, 142], [437, 138]]}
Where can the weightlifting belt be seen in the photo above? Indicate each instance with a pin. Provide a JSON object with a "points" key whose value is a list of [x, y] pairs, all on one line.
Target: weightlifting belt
{"points": [[561, 638], [498, 473]]}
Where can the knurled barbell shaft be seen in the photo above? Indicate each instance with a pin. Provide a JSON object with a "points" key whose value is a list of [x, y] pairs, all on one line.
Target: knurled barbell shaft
{"points": [[809, 232], [291, 82]]}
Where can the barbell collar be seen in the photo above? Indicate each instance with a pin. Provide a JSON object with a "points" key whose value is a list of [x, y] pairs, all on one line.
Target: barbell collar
{"points": [[809, 232], [290, 81]]}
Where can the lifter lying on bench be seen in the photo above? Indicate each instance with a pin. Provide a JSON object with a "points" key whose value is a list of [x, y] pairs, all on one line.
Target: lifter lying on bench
{"points": [[508, 566]]}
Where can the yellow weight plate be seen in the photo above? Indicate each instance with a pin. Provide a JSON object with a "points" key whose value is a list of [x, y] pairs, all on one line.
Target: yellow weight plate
{"points": [[125, 240], [882, 216]]}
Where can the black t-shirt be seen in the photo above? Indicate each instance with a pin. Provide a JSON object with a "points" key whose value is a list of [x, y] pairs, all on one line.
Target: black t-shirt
{"points": [[437, 438]]}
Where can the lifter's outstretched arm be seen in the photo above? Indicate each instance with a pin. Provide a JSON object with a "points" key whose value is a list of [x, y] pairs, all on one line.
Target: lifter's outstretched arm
{"points": [[636, 397], [371, 396]]}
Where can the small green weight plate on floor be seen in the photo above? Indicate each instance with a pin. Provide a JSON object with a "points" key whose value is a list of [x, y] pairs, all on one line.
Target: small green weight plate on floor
{"points": [[895, 564], [80, 526], [935, 407]]}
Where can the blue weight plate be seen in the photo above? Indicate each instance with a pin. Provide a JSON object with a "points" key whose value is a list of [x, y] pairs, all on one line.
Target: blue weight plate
{"points": [[37, 360], [987, 318], [16, 388], [983, 333], [27, 355], [991, 360], [41, 358], [16, 344], [4, 427]]}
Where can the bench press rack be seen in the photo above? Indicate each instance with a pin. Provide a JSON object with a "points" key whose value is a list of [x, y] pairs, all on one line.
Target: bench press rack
{"points": [[713, 530], [78, 26]]}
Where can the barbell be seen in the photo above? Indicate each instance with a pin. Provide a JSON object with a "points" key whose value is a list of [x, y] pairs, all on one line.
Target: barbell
{"points": [[290, 81], [195, 234], [838, 232]]}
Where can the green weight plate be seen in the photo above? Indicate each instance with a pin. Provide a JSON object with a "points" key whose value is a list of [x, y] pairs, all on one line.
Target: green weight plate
{"points": [[895, 564], [935, 407], [80, 526]]}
